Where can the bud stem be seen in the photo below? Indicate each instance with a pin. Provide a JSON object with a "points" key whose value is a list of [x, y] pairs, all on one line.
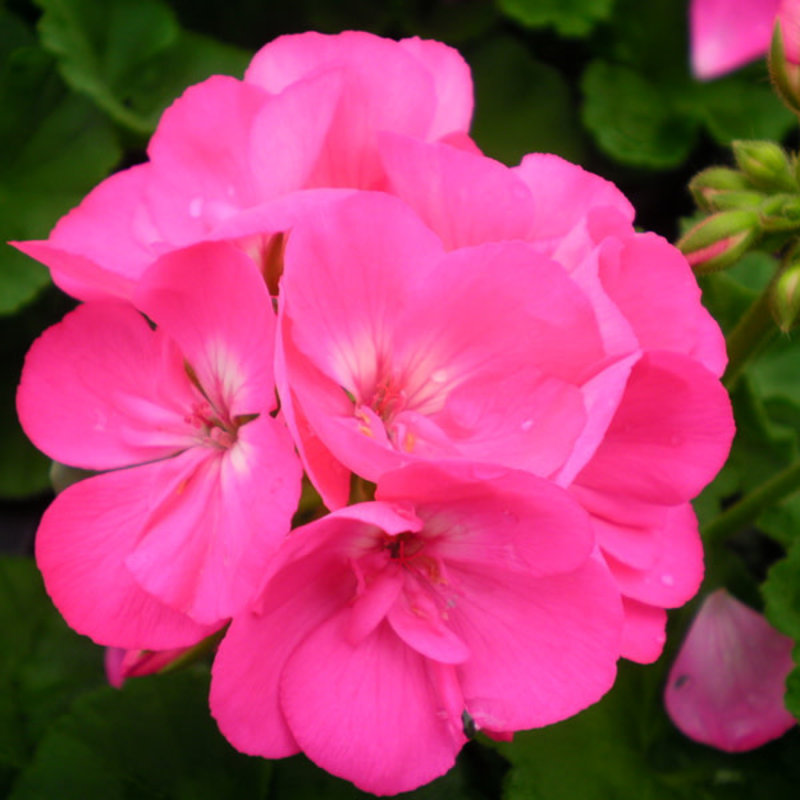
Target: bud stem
{"points": [[749, 336], [748, 508]]}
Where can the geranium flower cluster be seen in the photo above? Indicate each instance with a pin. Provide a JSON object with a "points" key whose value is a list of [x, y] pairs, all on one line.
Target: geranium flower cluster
{"points": [[317, 271]]}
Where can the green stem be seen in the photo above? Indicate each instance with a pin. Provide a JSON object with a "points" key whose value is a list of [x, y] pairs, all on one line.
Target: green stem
{"points": [[751, 333], [745, 511]]}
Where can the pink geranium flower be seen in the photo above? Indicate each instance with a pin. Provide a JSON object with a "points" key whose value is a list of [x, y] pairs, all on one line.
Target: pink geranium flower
{"points": [[239, 160], [726, 686], [511, 316], [461, 590], [726, 34], [202, 482]]}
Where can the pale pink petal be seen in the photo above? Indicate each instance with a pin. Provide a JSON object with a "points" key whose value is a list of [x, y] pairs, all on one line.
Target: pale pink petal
{"points": [[370, 713], [669, 437], [466, 198], [677, 572], [725, 34], [384, 87], [101, 389], [643, 634], [81, 546], [200, 158], [789, 20], [653, 285], [727, 685], [247, 670], [213, 302], [208, 543], [559, 637], [290, 133], [564, 193], [453, 84]]}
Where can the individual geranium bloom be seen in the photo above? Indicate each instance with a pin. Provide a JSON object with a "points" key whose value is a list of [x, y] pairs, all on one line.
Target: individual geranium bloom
{"points": [[524, 323], [231, 159], [727, 684], [726, 34], [461, 592], [201, 483]]}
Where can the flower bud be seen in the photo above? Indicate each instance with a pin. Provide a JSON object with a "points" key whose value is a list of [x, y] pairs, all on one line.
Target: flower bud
{"points": [[784, 68], [717, 188], [765, 164], [719, 240], [785, 297], [122, 664], [781, 212]]}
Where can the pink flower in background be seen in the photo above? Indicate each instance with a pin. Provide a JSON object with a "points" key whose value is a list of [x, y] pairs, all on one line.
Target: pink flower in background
{"points": [[726, 34], [460, 589], [727, 684], [202, 482], [514, 318], [240, 160]]}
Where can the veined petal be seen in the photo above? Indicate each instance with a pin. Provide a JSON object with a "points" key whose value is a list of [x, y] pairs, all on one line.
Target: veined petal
{"points": [[209, 540], [213, 302], [81, 546], [121, 401], [392, 730], [559, 637]]}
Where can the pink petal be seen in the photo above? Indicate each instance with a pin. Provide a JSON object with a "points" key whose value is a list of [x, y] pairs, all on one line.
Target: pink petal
{"points": [[209, 539], [650, 281], [669, 437], [643, 634], [247, 670], [453, 84], [110, 230], [466, 198], [370, 713], [76, 274], [726, 687], [559, 637], [564, 193], [99, 384], [384, 87], [200, 158], [677, 572], [725, 34], [505, 519], [81, 546], [213, 302]]}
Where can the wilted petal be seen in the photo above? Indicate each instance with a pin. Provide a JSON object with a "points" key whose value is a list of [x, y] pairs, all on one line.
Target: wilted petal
{"points": [[726, 687]]}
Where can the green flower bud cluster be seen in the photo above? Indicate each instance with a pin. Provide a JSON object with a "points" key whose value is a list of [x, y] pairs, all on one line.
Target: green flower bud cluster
{"points": [[758, 199]]}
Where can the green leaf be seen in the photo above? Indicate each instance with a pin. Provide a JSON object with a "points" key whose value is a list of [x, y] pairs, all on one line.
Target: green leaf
{"points": [[521, 105], [625, 748], [43, 664], [634, 120], [130, 56], [741, 107], [53, 148], [153, 739], [568, 17], [781, 593]]}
